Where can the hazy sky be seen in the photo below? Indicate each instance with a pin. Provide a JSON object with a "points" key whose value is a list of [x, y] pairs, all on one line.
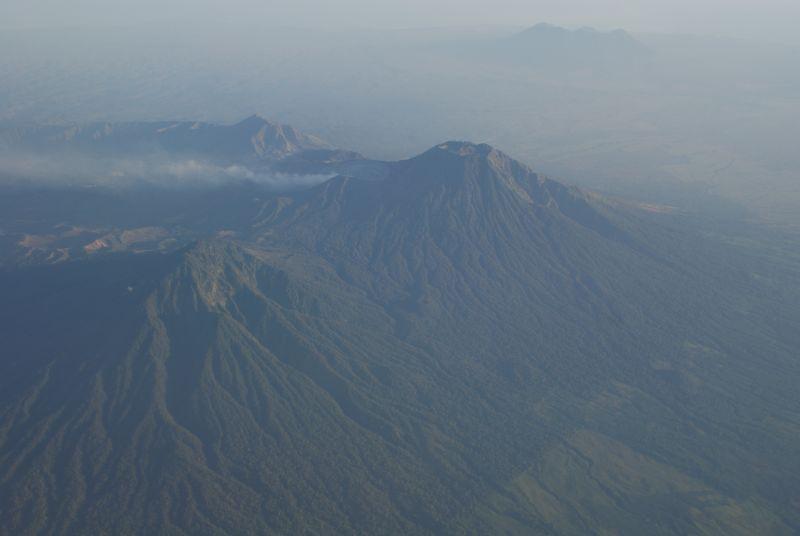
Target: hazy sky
{"points": [[765, 19]]}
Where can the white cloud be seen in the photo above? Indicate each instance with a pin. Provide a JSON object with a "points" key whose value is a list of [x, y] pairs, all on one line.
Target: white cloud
{"points": [[152, 170]]}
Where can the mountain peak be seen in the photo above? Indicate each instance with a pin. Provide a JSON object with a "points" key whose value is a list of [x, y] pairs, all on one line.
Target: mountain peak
{"points": [[255, 120], [270, 139], [464, 148], [564, 46], [542, 28], [458, 166], [469, 151]]}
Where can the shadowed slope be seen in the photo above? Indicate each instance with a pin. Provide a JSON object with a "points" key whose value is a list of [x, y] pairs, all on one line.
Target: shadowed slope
{"points": [[462, 346]]}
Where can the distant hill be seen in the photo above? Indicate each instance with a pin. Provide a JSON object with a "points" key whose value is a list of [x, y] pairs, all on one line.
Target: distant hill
{"points": [[462, 346], [551, 46]]}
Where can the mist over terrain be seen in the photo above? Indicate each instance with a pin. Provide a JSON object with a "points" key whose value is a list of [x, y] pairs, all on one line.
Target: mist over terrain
{"points": [[164, 154], [677, 119], [394, 268], [160, 171], [767, 20]]}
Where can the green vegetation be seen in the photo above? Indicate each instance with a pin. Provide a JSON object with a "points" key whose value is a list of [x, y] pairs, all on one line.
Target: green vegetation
{"points": [[462, 348]]}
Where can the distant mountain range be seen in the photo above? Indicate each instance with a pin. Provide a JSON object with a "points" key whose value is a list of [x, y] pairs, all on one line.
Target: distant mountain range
{"points": [[253, 141], [556, 48], [583, 40], [458, 345]]}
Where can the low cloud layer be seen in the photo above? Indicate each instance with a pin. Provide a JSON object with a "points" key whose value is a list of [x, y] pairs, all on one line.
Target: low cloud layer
{"points": [[156, 170]]}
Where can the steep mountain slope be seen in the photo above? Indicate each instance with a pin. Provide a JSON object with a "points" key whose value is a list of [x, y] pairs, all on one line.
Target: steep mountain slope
{"points": [[463, 346]]}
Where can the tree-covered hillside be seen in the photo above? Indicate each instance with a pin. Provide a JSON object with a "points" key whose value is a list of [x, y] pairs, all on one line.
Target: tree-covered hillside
{"points": [[462, 347]]}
